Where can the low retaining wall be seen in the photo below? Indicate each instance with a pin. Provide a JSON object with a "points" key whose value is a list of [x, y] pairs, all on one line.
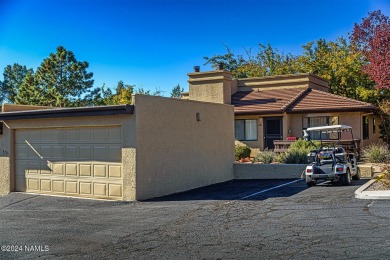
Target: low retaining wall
{"points": [[246, 171]]}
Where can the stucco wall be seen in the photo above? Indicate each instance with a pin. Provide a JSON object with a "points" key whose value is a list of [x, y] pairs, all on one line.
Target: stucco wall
{"points": [[128, 143], [175, 152], [214, 86], [243, 171], [5, 165]]}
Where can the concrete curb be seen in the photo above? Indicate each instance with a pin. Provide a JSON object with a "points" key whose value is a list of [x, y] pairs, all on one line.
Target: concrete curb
{"points": [[371, 195]]}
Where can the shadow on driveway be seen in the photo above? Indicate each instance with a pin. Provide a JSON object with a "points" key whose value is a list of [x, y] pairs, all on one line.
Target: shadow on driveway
{"points": [[239, 189]]}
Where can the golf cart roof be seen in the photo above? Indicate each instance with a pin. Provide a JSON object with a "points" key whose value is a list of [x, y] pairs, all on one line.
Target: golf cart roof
{"points": [[330, 128]]}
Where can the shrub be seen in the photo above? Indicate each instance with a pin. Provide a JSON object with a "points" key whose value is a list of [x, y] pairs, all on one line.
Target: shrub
{"points": [[265, 156], [241, 152], [294, 156], [301, 144], [297, 153], [377, 153]]}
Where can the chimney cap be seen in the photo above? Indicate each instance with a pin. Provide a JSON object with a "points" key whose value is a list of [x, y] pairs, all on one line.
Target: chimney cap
{"points": [[197, 68], [220, 66]]}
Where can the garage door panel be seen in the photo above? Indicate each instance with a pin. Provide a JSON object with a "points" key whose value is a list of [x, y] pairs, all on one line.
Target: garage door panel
{"points": [[21, 136], [100, 153], [86, 152], [58, 168], [71, 187], [99, 189], [20, 183], [85, 135], [58, 186], [72, 152], [58, 135], [114, 153], [85, 170], [46, 151], [114, 134], [72, 135], [99, 170], [85, 188], [71, 169], [114, 171], [33, 168], [21, 151], [45, 185], [58, 152], [115, 190], [34, 135], [100, 134], [33, 184], [46, 135], [82, 162]]}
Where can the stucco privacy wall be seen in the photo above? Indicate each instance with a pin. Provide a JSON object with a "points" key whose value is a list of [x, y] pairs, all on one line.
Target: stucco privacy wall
{"points": [[175, 152], [250, 171], [5, 148], [128, 145]]}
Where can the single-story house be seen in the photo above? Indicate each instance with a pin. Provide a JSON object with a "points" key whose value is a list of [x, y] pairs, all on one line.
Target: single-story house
{"points": [[277, 107], [154, 147]]}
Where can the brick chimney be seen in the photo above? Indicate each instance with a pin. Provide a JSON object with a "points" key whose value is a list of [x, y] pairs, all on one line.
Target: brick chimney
{"points": [[212, 86]]}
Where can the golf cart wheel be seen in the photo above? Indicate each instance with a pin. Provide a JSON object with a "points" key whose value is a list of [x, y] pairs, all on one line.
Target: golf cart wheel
{"points": [[345, 179], [357, 175], [309, 181]]}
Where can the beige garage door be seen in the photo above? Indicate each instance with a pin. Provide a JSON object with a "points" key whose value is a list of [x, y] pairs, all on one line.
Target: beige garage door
{"points": [[82, 162]]}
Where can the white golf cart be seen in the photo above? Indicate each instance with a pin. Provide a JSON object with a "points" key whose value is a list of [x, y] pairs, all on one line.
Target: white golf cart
{"points": [[335, 159]]}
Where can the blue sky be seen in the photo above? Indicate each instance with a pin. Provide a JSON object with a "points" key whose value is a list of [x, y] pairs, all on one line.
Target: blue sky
{"points": [[155, 43]]}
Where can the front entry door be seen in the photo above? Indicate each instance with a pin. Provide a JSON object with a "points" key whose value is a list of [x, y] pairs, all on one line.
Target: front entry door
{"points": [[272, 131]]}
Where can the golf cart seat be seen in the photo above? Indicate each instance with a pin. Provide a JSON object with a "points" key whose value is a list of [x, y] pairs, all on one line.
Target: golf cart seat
{"points": [[340, 154], [325, 157]]}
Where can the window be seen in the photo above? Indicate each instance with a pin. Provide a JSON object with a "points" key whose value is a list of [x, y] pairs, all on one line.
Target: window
{"points": [[320, 121], [246, 129], [373, 126], [365, 128]]}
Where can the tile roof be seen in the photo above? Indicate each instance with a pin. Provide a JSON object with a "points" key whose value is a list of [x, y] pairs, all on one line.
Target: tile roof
{"points": [[294, 100]]}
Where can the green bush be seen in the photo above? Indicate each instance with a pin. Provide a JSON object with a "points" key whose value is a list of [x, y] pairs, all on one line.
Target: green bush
{"points": [[377, 153], [265, 156], [297, 153], [241, 152], [301, 144]]}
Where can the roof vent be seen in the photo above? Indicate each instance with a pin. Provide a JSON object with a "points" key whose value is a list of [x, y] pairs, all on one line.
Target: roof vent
{"points": [[220, 66], [197, 68]]}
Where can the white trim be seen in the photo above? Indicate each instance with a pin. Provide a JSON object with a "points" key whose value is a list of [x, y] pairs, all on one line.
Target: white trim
{"points": [[276, 187]]}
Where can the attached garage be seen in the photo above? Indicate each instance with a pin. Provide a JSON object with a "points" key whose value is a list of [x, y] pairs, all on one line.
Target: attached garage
{"points": [[155, 147], [73, 152], [80, 161]]}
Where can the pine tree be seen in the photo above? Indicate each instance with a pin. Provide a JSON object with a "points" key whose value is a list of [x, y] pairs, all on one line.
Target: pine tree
{"points": [[13, 78], [29, 93], [176, 91], [63, 79]]}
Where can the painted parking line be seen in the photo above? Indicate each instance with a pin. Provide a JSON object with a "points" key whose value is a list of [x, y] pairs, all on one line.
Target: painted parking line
{"points": [[273, 188]]}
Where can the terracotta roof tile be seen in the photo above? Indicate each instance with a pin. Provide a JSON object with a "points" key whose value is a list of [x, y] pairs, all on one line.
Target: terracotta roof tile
{"points": [[319, 101], [294, 100], [264, 101]]}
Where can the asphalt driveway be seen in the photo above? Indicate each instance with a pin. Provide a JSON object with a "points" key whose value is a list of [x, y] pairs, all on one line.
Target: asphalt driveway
{"points": [[262, 219]]}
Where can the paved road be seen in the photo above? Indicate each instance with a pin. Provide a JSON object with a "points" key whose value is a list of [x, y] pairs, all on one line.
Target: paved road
{"points": [[291, 222]]}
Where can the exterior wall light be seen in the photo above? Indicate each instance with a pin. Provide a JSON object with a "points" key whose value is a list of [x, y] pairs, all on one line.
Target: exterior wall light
{"points": [[198, 116]]}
